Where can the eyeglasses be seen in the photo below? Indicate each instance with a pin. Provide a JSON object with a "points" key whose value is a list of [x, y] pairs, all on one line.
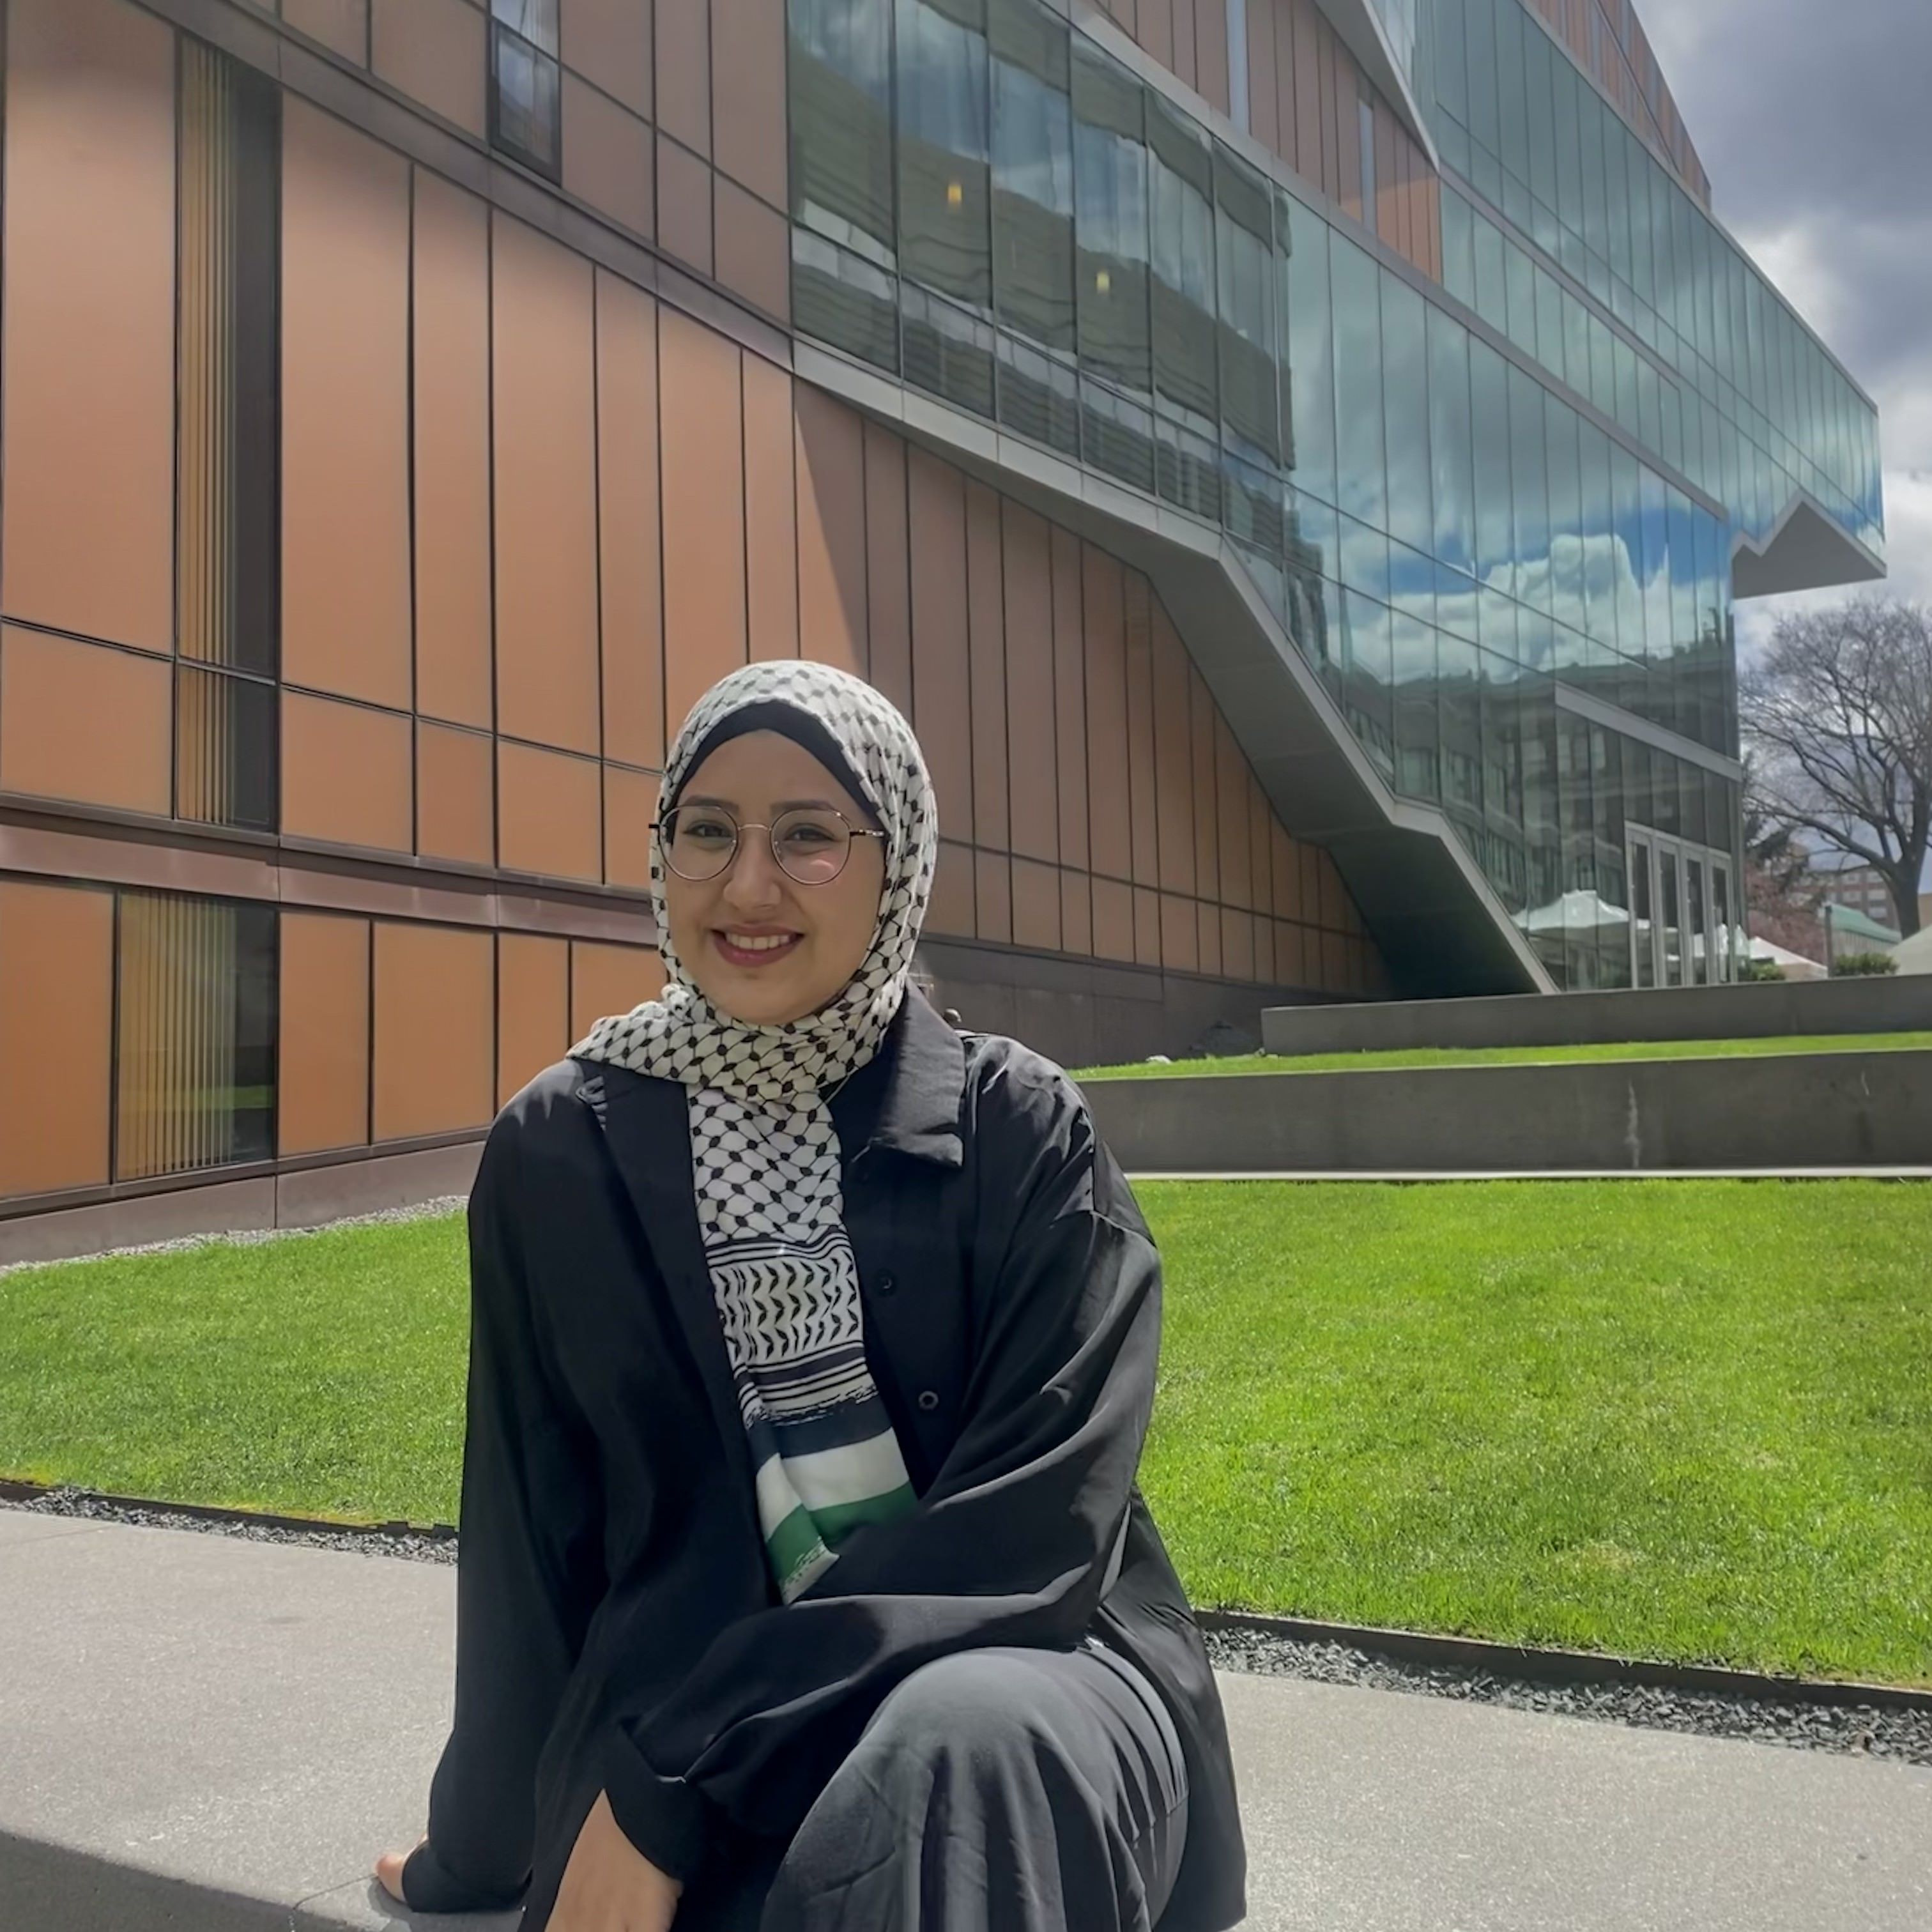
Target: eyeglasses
{"points": [[810, 843]]}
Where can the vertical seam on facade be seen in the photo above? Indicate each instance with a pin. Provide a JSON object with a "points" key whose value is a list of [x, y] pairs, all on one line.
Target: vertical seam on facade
{"points": [[490, 424], [174, 476], [597, 543], [415, 586]]}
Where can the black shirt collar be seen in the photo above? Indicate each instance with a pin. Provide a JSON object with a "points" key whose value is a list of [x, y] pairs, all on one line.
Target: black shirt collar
{"points": [[909, 1096]]}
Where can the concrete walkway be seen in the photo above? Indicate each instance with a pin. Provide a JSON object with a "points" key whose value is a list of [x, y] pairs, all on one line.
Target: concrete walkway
{"points": [[206, 1734]]}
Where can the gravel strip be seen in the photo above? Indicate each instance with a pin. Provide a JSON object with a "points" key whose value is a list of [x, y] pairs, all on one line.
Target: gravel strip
{"points": [[1905, 1736], [248, 1237]]}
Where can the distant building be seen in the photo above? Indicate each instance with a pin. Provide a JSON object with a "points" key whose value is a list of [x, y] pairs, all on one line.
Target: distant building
{"points": [[1865, 889]]}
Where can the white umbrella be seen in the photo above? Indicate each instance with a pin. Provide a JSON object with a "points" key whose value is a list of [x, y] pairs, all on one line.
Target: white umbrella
{"points": [[1580, 910]]}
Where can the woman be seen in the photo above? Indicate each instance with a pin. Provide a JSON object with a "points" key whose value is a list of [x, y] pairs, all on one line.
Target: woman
{"points": [[803, 1580]]}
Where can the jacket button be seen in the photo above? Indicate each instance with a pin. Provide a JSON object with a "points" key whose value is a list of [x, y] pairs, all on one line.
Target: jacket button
{"points": [[928, 1399], [886, 1284]]}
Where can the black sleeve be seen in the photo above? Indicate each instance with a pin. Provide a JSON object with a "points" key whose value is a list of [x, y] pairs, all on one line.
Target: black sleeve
{"points": [[529, 1569], [1011, 1544]]}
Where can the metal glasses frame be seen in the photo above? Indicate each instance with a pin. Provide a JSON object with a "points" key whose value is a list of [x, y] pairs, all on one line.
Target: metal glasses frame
{"points": [[753, 825]]}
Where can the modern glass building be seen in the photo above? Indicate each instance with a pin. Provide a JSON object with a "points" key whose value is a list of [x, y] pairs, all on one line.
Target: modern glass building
{"points": [[1293, 459]]}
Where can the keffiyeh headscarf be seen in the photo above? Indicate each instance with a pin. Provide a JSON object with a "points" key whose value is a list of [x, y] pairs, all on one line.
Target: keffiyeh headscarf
{"points": [[765, 1156]]}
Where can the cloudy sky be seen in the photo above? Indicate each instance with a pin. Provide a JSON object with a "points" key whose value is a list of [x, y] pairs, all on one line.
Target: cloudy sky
{"points": [[1810, 117]]}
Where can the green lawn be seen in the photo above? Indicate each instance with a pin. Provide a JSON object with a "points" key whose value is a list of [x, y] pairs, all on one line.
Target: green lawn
{"points": [[1687, 1419], [1497, 1056]]}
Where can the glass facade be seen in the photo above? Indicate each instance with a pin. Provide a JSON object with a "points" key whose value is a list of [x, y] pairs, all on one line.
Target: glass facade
{"points": [[1479, 536]]}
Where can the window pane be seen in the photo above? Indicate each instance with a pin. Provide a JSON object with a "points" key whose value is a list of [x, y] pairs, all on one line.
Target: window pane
{"points": [[1361, 462], [526, 111], [1564, 476], [1311, 354], [195, 1059], [1406, 392], [945, 239], [225, 749], [1451, 454], [536, 20], [1245, 261], [1181, 228], [1495, 542], [844, 298], [1033, 173], [1529, 490], [1110, 182], [840, 95]]}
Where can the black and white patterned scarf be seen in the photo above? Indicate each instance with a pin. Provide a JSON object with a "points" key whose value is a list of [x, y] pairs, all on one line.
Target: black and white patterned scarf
{"points": [[765, 1155]]}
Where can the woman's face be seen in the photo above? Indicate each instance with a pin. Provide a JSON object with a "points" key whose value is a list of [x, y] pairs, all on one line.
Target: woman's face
{"points": [[760, 946]]}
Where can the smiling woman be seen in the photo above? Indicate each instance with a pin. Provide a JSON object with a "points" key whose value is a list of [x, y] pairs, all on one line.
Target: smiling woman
{"points": [[803, 1579]]}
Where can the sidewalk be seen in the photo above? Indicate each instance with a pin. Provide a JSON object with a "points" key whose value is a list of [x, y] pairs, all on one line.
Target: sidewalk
{"points": [[207, 1734]]}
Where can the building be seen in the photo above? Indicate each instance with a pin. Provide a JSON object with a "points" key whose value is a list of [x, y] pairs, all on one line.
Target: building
{"points": [[1294, 459]]}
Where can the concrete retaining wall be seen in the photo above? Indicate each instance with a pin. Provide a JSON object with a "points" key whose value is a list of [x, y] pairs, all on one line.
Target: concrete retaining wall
{"points": [[1794, 1110], [1672, 1012]]}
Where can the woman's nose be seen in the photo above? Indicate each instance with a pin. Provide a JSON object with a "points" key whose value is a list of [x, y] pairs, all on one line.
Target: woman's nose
{"points": [[753, 879]]}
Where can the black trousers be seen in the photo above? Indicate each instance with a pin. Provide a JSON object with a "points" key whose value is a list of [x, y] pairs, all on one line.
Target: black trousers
{"points": [[993, 1791]]}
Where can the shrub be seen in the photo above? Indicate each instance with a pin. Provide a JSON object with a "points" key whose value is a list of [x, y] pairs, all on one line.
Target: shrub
{"points": [[1760, 969], [1864, 965]]}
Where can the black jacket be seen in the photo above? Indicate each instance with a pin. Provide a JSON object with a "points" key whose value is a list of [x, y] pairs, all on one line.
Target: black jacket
{"points": [[616, 1624]]}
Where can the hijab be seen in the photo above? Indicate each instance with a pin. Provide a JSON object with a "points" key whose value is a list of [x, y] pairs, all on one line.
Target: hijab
{"points": [[765, 1154]]}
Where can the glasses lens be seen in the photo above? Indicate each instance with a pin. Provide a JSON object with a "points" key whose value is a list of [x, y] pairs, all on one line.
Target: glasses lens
{"points": [[699, 841], [811, 845]]}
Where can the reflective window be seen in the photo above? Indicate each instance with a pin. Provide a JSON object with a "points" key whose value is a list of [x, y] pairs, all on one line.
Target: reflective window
{"points": [[1405, 396], [1451, 441], [1245, 257], [1110, 184], [945, 236], [1181, 211], [1310, 340], [525, 112], [1032, 173], [1361, 463]]}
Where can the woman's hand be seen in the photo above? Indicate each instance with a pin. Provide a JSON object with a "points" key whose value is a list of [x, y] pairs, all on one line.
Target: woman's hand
{"points": [[609, 1885], [389, 1871]]}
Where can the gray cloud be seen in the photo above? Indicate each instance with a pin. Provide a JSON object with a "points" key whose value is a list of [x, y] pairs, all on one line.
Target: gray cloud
{"points": [[1811, 121]]}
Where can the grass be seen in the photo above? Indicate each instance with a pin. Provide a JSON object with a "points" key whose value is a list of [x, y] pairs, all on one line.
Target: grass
{"points": [[1687, 1419], [1500, 1056]]}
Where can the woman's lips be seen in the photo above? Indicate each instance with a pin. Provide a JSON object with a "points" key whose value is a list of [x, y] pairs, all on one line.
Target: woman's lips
{"points": [[764, 954]]}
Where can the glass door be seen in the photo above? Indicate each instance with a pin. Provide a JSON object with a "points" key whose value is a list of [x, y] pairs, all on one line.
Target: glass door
{"points": [[1724, 955], [1669, 917], [1697, 948], [1643, 926]]}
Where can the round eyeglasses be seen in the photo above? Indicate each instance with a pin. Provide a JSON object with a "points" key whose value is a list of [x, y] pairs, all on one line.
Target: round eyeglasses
{"points": [[810, 843]]}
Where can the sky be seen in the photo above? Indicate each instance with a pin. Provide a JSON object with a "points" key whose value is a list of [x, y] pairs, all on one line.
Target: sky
{"points": [[1810, 118]]}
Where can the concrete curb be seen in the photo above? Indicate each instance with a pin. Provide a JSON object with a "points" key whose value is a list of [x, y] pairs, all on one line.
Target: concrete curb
{"points": [[1531, 1663]]}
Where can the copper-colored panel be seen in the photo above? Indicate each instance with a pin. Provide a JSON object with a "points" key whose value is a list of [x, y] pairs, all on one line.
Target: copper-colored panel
{"points": [[1036, 905], [1386, 217], [942, 679], [1069, 697], [1113, 919], [1231, 786], [986, 628], [1207, 809], [533, 1009], [888, 566], [322, 1069], [1140, 731], [1260, 855], [346, 579], [345, 773], [703, 512], [607, 156], [630, 805], [432, 50], [1111, 828], [771, 512], [1334, 962], [951, 911], [1238, 944], [749, 94], [1210, 52], [754, 250], [549, 811], [1264, 932], [684, 204], [1286, 862], [1183, 62], [684, 71], [1307, 45], [1173, 755], [1332, 898], [831, 468], [1311, 884], [628, 535], [1076, 914], [1180, 934], [992, 873], [56, 1035], [89, 320], [1290, 969], [1348, 114], [609, 979], [451, 315], [1341, 147], [1147, 926], [435, 1008], [1154, 28], [455, 802], [1031, 734], [1264, 119], [546, 510], [341, 25], [1208, 920], [609, 41], [80, 722]]}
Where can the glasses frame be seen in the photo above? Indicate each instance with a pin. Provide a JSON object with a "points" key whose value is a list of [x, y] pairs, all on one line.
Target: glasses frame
{"points": [[741, 827]]}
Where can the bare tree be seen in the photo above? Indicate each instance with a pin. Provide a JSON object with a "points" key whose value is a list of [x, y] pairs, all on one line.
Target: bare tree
{"points": [[1837, 716], [1783, 893]]}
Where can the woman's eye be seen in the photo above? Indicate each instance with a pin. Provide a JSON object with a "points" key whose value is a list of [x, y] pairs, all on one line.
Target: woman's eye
{"points": [[707, 831], [809, 835]]}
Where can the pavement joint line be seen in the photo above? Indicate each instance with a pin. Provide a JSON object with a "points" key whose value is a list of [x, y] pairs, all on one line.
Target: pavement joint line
{"points": [[1524, 1663]]}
